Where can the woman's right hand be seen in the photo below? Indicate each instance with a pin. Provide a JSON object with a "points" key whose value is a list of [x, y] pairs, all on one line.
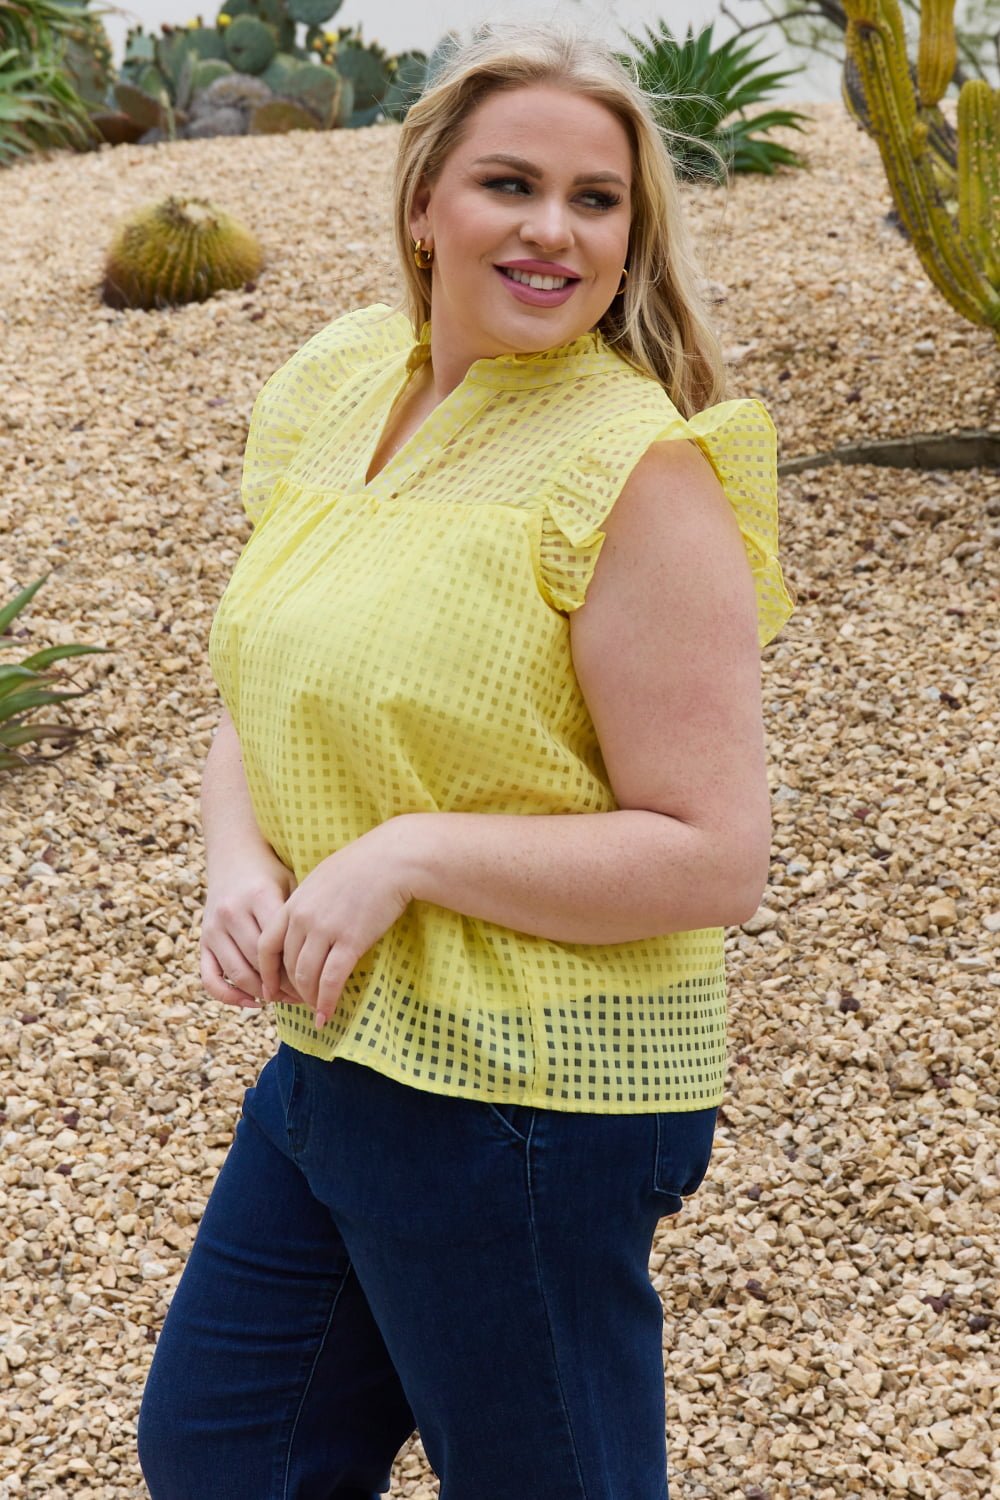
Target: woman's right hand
{"points": [[241, 898]]}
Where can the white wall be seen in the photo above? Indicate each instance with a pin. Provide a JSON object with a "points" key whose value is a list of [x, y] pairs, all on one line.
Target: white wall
{"points": [[399, 24]]}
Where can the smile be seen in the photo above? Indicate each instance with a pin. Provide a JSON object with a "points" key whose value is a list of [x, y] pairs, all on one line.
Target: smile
{"points": [[533, 278]]}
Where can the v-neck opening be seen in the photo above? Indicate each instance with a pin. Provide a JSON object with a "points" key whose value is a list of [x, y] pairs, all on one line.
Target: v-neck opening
{"points": [[449, 415], [587, 354]]}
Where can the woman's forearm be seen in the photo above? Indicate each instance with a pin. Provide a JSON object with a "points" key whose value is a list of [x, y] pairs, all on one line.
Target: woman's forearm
{"points": [[229, 824], [613, 877]]}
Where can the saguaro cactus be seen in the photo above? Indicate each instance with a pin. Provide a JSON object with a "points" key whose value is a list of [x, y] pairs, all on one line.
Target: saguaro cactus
{"points": [[960, 253]]}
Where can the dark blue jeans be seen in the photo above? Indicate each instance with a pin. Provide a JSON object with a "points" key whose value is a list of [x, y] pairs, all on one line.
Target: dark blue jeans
{"points": [[374, 1258]]}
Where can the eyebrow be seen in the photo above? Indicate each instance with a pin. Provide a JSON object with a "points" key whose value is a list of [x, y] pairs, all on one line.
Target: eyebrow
{"points": [[531, 170]]}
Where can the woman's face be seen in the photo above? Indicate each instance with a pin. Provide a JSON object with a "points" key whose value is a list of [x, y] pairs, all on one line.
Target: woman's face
{"points": [[565, 202]]}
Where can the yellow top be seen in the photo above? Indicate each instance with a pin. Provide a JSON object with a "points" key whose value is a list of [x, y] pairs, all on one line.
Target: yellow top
{"points": [[404, 646]]}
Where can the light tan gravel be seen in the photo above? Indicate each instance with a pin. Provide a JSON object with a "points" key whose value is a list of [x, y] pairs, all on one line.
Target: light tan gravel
{"points": [[831, 1321]]}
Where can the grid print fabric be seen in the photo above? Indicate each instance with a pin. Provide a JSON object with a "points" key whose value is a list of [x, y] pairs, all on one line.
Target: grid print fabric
{"points": [[403, 646]]}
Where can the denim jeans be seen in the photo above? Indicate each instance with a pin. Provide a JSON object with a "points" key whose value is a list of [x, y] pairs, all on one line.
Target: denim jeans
{"points": [[375, 1259]]}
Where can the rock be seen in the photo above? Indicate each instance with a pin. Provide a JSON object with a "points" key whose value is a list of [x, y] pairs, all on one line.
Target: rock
{"points": [[762, 919], [910, 1074], [943, 912]]}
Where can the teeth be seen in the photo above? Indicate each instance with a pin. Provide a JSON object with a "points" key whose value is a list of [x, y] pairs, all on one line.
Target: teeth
{"points": [[532, 278]]}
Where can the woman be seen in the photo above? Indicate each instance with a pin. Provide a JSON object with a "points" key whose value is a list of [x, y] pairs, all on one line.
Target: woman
{"points": [[490, 783]]}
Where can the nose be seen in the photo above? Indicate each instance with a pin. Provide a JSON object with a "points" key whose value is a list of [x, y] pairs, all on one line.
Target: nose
{"points": [[547, 224]]}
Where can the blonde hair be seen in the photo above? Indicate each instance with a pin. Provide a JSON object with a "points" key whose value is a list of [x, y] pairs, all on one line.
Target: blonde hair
{"points": [[660, 324]]}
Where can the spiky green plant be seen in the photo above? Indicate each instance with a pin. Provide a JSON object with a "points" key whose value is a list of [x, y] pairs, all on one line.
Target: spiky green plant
{"points": [[701, 92], [20, 693], [177, 251], [39, 107]]}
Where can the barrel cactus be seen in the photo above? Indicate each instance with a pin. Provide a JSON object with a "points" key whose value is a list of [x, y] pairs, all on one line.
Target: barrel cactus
{"points": [[180, 250]]}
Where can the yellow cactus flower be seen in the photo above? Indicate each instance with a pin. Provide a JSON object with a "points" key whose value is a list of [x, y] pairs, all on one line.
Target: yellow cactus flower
{"points": [[223, 19]]}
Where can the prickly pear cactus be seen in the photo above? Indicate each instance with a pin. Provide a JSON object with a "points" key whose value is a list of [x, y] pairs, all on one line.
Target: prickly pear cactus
{"points": [[318, 89], [178, 251], [281, 115], [368, 70], [86, 60], [406, 84], [146, 111], [250, 45], [313, 12], [279, 70]]}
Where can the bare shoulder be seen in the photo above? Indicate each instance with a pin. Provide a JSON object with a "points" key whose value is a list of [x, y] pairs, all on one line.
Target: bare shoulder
{"points": [[671, 540]]}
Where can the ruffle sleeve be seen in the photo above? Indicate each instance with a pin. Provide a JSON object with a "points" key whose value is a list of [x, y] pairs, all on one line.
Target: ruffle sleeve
{"points": [[292, 398], [740, 442]]}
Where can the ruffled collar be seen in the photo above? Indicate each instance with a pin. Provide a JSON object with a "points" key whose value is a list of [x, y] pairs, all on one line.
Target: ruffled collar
{"points": [[579, 356]]}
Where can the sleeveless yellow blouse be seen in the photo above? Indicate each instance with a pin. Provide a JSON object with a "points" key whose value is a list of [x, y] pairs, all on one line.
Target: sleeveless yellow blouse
{"points": [[404, 646]]}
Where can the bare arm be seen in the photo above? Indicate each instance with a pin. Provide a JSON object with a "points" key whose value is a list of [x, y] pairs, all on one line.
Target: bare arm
{"points": [[229, 823]]}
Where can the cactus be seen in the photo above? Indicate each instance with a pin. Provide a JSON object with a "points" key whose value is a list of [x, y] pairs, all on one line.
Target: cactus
{"points": [[279, 70], [318, 89], [408, 80], [313, 12], [962, 258], [86, 59], [257, 37], [937, 50], [250, 44], [207, 72], [279, 115], [346, 109], [141, 107], [178, 251], [368, 69], [979, 176]]}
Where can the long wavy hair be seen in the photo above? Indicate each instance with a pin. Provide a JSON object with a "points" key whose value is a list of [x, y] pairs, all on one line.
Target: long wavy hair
{"points": [[660, 325]]}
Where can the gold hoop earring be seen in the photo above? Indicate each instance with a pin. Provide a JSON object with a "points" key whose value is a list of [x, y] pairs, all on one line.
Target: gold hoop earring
{"points": [[424, 258], [621, 289]]}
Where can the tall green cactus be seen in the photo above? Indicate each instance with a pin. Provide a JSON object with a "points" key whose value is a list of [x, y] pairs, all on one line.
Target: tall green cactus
{"points": [[960, 255]]}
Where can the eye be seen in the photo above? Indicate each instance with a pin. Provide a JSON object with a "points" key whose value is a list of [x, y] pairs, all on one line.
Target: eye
{"points": [[603, 200]]}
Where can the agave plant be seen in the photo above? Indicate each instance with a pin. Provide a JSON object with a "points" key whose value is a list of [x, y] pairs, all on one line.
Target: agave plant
{"points": [[20, 693], [696, 89]]}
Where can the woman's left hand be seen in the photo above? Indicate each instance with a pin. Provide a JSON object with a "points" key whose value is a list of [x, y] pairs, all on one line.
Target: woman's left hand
{"points": [[334, 916]]}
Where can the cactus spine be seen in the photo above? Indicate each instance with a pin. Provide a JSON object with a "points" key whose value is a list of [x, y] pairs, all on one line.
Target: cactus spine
{"points": [[961, 258]]}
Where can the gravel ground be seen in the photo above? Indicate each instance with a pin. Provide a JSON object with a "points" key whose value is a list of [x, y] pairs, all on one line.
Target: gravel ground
{"points": [[830, 1315]]}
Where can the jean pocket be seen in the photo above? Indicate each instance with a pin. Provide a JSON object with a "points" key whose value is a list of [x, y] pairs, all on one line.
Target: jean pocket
{"points": [[683, 1151], [517, 1119]]}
